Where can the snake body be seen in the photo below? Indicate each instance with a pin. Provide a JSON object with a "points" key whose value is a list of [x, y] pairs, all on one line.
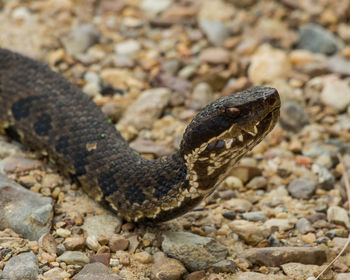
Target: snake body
{"points": [[51, 115]]}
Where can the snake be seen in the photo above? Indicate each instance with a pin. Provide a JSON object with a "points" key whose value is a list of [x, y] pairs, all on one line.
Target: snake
{"points": [[49, 114]]}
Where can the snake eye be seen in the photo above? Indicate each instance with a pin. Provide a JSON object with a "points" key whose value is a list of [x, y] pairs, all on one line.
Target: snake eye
{"points": [[233, 112]]}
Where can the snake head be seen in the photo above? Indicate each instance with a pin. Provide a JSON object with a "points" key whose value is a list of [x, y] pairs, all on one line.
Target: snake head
{"points": [[224, 131]]}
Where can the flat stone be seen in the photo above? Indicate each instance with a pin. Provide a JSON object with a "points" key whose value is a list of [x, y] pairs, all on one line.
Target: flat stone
{"points": [[281, 224], [165, 268], [104, 225], [302, 188], [298, 271], [315, 38], [149, 147], [225, 266], [258, 182], [73, 257], [238, 205], [304, 226], [128, 47], [27, 213], [250, 232], [335, 93], [260, 276], [146, 108], [118, 243], [56, 273], [22, 266], [74, 243], [96, 271], [215, 30], [194, 251], [276, 256], [338, 215], [19, 164], [215, 56], [268, 64], [293, 116], [256, 216]]}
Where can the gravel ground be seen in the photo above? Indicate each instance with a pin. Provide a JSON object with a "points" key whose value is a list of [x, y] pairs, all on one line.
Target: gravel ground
{"points": [[151, 66]]}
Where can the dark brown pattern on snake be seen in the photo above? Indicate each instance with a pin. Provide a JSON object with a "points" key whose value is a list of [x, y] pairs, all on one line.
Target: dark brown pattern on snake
{"points": [[49, 114]]}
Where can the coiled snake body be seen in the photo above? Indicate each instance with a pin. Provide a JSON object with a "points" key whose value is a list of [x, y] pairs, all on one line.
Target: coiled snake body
{"points": [[49, 114]]}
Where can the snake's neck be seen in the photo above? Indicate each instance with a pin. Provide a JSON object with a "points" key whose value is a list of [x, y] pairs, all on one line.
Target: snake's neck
{"points": [[160, 190]]}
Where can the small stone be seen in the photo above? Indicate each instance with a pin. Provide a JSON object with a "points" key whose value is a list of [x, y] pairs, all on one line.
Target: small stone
{"points": [[118, 243], [73, 257], [25, 212], [128, 47], [92, 243], [304, 226], [281, 224], [22, 266], [260, 276], [215, 56], [258, 182], [56, 273], [276, 256], [230, 215], [250, 232], [202, 95], [302, 188], [245, 172], [256, 216], [143, 257], [308, 238], [268, 64], [152, 8], [342, 276], [101, 258], [18, 164], [79, 39], [146, 109], [232, 183], [225, 266], [325, 178], [112, 111], [99, 225], [315, 38], [194, 251], [338, 215], [335, 93], [48, 244], [339, 65], [298, 271], [293, 116], [149, 147], [63, 232], [124, 258], [197, 275], [238, 205], [165, 268], [96, 271], [74, 243]]}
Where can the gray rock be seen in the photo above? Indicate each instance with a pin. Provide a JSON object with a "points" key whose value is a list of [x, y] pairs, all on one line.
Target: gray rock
{"points": [[304, 226], [98, 225], [73, 257], [338, 215], [79, 39], [338, 64], [96, 271], [27, 213], [146, 109], [194, 251], [215, 30], [257, 216], [302, 188], [293, 116], [227, 266], [23, 266], [325, 179], [315, 38], [258, 182], [276, 256]]}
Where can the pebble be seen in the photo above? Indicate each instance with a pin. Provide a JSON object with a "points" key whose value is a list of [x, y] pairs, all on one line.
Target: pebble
{"points": [[56, 273], [118, 243], [92, 243], [260, 276], [63, 232], [149, 147], [129, 47], [238, 205], [197, 275], [338, 215], [101, 225], [73, 257], [302, 188], [74, 243], [304, 226], [202, 95], [27, 213], [325, 179], [103, 258], [177, 84], [22, 266], [245, 173], [165, 268], [96, 271], [342, 276], [143, 257], [250, 232], [256, 216], [335, 93], [48, 243], [281, 224], [276, 256], [317, 39], [152, 8], [224, 266], [298, 271], [146, 109], [80, 38], [258, 182], [215, 56], [339, 65], [268, 64], [18, 164], [293, 116], [194, 251], [216, 31]]}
